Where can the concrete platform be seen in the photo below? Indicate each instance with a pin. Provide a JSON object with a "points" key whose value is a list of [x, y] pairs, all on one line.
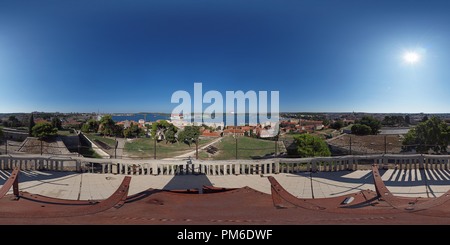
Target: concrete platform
{"points": [[88, 186]]}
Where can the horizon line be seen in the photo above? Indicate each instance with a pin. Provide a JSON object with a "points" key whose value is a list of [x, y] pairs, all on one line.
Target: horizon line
{"points": [[285, 112]]}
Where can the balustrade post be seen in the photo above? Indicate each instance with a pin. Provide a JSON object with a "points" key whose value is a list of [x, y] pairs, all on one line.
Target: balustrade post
{"points": [[277, 165], [313, 166], [237, 168], [421, 162]]}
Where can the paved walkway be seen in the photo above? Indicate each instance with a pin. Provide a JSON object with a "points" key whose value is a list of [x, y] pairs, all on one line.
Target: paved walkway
{"points": [[120, 147], [76, 186], [192, 153]]}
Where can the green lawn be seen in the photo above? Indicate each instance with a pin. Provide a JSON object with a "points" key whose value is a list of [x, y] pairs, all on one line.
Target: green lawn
{"points": [[107, 140], [324, 133], [144, 148], [65, 132], [88, 152], [320, 133], [248, 148]]}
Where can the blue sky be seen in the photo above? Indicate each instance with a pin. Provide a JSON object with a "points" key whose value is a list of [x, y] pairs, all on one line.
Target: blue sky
{"points": [[130, 56]]}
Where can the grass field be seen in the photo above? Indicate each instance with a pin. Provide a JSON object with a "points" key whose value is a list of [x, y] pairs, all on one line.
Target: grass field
{"points": [[248, 148], [88, 152], [370, 144], [65, 132], [109, 141], [144, 148]]}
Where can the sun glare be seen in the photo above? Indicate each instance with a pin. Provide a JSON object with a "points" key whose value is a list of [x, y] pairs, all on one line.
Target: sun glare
{"points": [[411, 57]]}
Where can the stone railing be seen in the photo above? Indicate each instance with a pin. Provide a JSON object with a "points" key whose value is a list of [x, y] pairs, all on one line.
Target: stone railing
{"points": [[39, 162], [223, 167]]}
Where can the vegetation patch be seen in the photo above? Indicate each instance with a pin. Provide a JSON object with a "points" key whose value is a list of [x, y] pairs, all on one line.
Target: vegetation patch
{"points": [[247, 148]]}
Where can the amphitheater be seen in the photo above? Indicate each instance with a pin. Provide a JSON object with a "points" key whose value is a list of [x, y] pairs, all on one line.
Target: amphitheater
{"points": [[370, 189]]}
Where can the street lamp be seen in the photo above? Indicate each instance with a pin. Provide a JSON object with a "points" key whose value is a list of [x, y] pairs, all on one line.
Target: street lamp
{"points": [[235, 138], [196, 149], [154, 148], [115, 148]]}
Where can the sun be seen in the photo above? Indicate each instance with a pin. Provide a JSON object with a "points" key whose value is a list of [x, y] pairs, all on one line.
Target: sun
{"points": [[411, 57]]}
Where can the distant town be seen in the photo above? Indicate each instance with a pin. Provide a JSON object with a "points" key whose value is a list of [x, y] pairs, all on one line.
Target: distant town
{"points": [[161, 135]]}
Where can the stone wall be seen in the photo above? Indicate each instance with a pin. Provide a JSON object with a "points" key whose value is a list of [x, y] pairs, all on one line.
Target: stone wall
{"points": [[94, 147], [71, 141], [14, 134]]}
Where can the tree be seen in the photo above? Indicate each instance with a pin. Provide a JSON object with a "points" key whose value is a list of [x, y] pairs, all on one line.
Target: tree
{"points": [[411, 141], [337, 124], [425, 118], [374, 124], [361, 129], [118, 130], [31, 124], [133, 131], [311, 146], [326, 122], [407, 119], [394, 121], [159, 128], [127, 133], [189, 135], [432, 134], [149, 129], [107, 125], [85, 128], [171, 134], [56, 123], [44, 130], [90, 126], [12, 122]]}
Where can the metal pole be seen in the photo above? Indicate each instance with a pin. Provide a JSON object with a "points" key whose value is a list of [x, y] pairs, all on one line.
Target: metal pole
{"points": [[385, 146], [350, 145], [6, 147], [276, 141], [236, 148], [115, 148], [41, 147], [154, 150], [196, 149]]}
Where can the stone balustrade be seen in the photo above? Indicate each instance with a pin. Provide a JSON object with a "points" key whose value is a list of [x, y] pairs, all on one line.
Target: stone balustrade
{"points": [[222, 167]]}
